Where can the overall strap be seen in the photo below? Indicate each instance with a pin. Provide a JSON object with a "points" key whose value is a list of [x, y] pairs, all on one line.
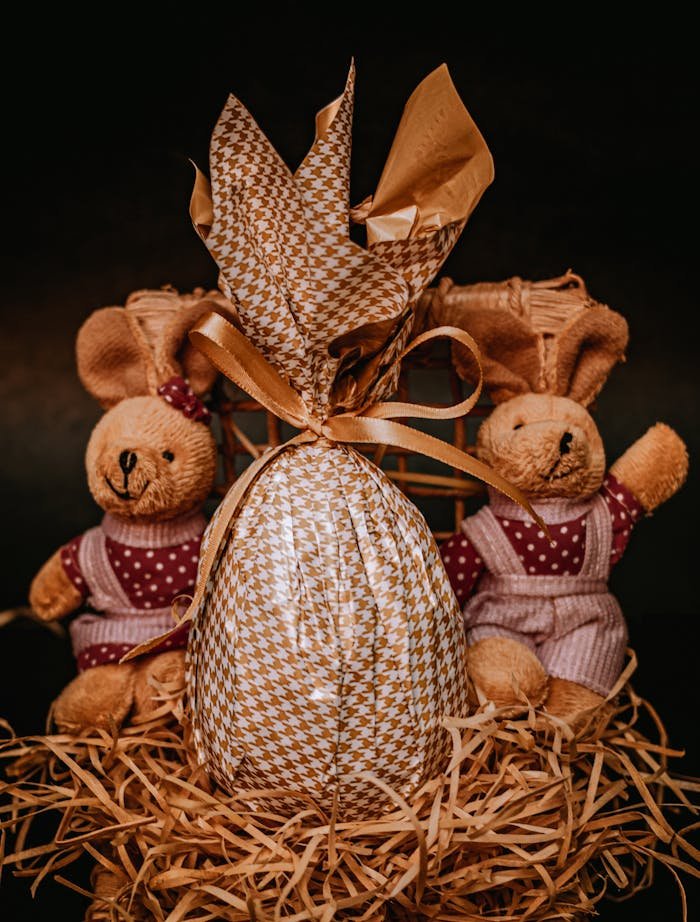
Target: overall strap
{"points": [[490, 540], [106, 593], [596, 563]]}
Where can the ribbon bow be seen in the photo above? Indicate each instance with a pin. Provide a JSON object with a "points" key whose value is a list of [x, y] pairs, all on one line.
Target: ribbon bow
{"points": [[177, 392], [237, 358]]}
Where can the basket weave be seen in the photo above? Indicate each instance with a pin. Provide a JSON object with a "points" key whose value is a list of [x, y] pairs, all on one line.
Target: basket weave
{"points": [[547, 305]]}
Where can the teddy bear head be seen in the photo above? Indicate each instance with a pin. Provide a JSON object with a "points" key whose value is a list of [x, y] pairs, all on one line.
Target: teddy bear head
{"points": [[152, 456], [547, 349], [546, 445]]}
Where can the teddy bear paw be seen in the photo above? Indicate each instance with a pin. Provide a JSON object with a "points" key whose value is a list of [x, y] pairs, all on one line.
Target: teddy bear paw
{"points": [[99, 697], [506, 672]]}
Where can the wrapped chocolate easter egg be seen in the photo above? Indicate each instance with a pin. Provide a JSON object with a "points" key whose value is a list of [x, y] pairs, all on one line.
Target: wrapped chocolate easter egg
{"points": [[331, 642], [326, 645]]}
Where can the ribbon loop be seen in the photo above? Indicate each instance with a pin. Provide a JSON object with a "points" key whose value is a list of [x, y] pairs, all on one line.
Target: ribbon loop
{"points": [[394, 409], [236, 357]]}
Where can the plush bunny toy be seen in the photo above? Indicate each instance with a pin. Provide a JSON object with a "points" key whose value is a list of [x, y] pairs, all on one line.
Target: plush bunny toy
{"points": [[150, 461], [540, 620]]}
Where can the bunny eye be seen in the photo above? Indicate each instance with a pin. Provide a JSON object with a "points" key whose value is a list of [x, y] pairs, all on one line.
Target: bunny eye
{"points": [[518, 426], [168, 455]]}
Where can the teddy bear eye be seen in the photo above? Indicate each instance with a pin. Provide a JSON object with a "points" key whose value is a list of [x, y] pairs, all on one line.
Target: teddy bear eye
{"points": [[168, 455], [518, 426]]}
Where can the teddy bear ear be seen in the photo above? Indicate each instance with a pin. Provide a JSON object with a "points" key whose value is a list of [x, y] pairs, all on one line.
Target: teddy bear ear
{"points": [[509, 354], [113, 363], [175, 355], [510, 350], [585, 352]]}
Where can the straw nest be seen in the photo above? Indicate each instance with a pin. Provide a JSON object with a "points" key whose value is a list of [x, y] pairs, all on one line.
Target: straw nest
{"points": [[530, 820]]}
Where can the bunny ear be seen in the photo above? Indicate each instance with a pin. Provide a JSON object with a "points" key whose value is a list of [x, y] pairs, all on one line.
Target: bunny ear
{"points": [[129, 351], [585, 351], [113, 360], [175, 355], [509, 353], [510, 350]]}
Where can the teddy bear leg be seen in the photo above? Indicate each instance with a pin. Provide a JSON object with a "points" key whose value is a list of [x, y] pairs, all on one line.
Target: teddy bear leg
{"points": [[105, 885], [568, 699], [95, 698], [505, 671], [153, 671]]}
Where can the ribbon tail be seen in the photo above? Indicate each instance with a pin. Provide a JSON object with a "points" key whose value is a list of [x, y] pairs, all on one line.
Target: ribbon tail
{"points": [[366, 430], [149, 645], [235, 356]]}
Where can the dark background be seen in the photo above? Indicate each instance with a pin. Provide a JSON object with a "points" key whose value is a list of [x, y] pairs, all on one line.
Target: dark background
{"points": [[588, 127]]}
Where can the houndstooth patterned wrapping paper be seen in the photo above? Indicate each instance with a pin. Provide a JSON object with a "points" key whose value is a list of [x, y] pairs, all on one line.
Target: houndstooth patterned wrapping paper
{"points": [[331, 641]]}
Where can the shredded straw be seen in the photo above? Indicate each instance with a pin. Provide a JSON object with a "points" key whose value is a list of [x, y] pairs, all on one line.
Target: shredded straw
{"points": [[531, 820]]}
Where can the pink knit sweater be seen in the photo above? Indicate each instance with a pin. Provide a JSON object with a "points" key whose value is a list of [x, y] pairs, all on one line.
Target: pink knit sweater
{"points": [[130, 575]]}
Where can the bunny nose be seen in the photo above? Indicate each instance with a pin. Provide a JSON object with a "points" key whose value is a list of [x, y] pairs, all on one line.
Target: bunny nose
{"points": [[127, 461], [564, 443]]}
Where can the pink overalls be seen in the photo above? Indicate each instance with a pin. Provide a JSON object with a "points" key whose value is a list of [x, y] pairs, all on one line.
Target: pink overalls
{"points": [[573, 623]]}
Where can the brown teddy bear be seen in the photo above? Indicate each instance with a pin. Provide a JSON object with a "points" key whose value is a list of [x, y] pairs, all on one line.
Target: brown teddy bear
{"points": [[541, 622], [151, 461]]}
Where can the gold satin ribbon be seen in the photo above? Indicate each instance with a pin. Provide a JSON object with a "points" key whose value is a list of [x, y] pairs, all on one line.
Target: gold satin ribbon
{"points": [[237, 358]]}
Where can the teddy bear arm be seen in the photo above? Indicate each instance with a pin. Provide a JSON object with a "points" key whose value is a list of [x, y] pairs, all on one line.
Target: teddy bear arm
{"points": [[654, 467], [52, 595]]}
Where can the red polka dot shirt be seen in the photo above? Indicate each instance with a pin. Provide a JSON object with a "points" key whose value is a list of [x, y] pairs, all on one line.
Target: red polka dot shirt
{"points": [[151, 578], [564, 556]]}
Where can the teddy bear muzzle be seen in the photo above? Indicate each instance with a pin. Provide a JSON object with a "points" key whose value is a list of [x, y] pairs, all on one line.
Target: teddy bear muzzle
{"points": [[128, 473], [543, 455]]}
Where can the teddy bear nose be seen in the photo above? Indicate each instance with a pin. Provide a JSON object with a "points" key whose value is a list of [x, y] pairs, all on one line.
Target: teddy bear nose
{"points": [[564, 443], [127, 461]]}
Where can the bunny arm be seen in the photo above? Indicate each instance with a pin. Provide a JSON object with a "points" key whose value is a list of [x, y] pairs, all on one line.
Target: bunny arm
{"points": [[654, 467], [52, 595]]}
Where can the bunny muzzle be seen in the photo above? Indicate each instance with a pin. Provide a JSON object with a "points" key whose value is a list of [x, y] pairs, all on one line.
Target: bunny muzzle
{"points": [[146, 459], [557, 448], [549, 446], [128, 471]]}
